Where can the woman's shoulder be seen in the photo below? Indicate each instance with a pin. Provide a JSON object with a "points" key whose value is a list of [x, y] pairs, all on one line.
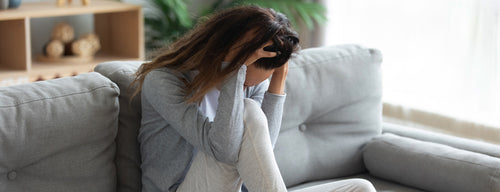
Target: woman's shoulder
{"points": [[165, 73], [162, 71], [164, 80]]}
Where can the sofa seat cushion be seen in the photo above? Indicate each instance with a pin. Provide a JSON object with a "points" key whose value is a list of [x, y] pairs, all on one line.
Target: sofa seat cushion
{"points": [[432, 166], [58, 135], [381, 185], [333, 107]]}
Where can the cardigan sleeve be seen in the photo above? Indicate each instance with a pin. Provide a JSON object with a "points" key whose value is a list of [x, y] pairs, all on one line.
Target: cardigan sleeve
{"points": [[272, 106], [220, 138]]}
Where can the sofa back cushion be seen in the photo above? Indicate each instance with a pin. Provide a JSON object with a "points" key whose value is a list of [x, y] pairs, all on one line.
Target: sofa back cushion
{"points": [[128, 157], [58, 135], [333, 107]]}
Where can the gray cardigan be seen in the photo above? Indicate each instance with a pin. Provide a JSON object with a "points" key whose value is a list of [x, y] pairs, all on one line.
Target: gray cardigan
{"points": [[172, 130]]}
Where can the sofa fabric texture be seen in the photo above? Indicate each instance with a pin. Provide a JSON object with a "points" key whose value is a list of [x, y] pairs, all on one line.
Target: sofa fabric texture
{"points": [[58, 135]]}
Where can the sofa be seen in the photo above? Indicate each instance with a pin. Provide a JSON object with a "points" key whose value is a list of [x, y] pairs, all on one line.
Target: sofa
{"points": [[80, 133]]}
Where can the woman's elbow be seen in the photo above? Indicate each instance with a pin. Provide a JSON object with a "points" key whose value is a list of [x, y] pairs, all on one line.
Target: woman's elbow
{"points": [[227, 154]]}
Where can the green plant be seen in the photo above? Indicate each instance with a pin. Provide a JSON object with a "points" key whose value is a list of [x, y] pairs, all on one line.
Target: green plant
{"points": [[169, 19], [296, 10]]}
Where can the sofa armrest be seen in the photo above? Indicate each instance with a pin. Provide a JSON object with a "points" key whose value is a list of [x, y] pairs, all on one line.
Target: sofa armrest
{"points": [[453, 141], [431, 166]]}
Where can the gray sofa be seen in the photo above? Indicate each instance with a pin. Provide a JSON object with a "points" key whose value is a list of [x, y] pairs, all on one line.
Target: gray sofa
{"points": [[79, 133]]}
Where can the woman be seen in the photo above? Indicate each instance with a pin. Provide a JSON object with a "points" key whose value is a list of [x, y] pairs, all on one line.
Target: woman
{"points": [[210, 118]]}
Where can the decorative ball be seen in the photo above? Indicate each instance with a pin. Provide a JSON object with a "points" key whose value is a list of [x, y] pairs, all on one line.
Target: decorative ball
{"points": [[14, 3], [82, 48], [63, 32], [54, 48], [93, 41]]}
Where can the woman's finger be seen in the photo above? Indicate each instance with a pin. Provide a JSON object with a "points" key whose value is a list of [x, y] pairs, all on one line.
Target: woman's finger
{"points": [[263, 53], [269, 43]]}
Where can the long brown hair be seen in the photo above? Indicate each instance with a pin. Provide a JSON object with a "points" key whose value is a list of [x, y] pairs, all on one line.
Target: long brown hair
{"points": [[205, 47]]}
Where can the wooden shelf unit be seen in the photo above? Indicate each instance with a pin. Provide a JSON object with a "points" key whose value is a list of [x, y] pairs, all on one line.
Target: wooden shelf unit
{"points": [[119, 27]]}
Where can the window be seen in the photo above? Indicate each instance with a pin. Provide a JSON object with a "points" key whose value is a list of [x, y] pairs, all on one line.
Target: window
{"points": [[441, 56]]}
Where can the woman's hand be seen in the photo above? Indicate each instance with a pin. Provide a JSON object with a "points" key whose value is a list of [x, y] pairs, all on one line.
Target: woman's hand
{"points": [[259, 53]]}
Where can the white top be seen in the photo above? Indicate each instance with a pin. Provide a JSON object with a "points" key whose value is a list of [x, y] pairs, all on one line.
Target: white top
{"points": [[208, 105]]}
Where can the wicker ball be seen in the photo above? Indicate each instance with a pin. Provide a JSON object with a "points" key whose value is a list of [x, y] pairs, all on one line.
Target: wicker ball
{"points": [[54, 48], [63, 32], [93, 41], [82, 48]]}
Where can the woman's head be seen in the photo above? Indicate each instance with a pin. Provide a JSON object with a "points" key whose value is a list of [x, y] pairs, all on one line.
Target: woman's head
{"points": [[241, 31]]}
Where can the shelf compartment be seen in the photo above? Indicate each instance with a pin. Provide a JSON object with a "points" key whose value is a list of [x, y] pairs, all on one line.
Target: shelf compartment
{"points": [[15, 44], [118, 25], [112, 30]]}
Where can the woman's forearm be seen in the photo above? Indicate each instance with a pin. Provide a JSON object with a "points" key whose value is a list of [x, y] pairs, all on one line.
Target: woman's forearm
{"points": [[277, 84]]}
